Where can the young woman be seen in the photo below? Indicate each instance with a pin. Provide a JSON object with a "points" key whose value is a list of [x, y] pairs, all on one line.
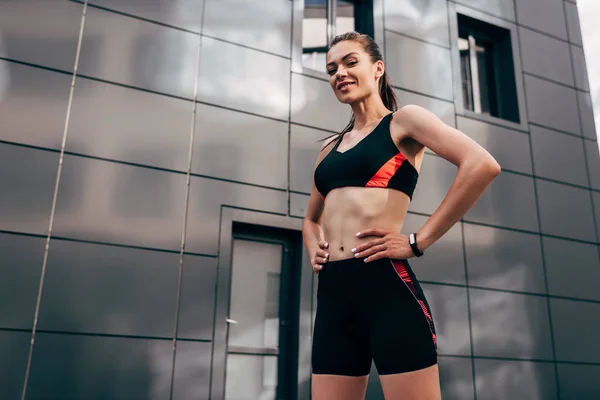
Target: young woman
{"points": [[369, 303]]}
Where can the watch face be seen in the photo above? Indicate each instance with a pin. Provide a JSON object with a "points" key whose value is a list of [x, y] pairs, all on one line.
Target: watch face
{"points": [[411, 238]]}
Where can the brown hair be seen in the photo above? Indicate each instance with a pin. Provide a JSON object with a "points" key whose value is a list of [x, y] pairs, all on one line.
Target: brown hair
{"points": [[372, 49]]}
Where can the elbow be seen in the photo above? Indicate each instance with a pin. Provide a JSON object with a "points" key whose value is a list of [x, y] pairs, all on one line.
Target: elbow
{"points": [[485, 170], [493, 168], [489, 170]]}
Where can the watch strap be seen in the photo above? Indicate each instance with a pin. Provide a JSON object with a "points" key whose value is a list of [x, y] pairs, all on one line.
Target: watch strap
{"points": [[412, 240]]}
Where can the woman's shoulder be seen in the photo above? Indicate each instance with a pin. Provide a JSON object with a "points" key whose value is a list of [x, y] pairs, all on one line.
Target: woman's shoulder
{"points": [[412, 115], [411, 111]]}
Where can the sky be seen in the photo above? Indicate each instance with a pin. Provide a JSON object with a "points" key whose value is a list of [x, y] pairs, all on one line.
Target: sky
{"points": [[589, 12]]}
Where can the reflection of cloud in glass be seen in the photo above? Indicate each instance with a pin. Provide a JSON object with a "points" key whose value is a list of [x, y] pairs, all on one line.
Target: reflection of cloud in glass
{"points": [[590, 30]]}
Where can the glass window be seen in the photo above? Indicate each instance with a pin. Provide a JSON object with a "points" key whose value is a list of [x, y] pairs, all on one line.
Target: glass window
{"points": [[325, 19], [486, 69]]}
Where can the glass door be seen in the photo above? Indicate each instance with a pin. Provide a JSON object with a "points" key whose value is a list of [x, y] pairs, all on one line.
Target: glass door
{"points": [[260, 340]]}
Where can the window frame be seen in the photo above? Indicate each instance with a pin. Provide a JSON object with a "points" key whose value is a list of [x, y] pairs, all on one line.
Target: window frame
{"points": [[297, 49], [454, 10]]}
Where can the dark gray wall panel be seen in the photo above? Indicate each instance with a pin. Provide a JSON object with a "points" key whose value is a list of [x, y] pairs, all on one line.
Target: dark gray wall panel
{"points": [[27, 181], [197, 302], [503, 379], [580, 68], [573, 26], [510, 325], [442, 109], [305, 144], [429, 71], [435, 178], [449, 310], [444, 261], [314, 104], [262, 86], [456, 378], [557, 204], [120, 291], [544, 15], [33, 105], [43, 32], [207, 196], [593, 162], [14, 347], [269, 29], [181, 13], [596, 208], [116, 203], [579, 381], [504, 9], [576, 325], [74, 367], [558, 156], [137, 53], [374, 389], [501, 204], [424, 20], [502, 259], [551, 105], [573, 268], [240, 147], [510, 148], [124, 124], [545, 56], [586, 113], [21, 260], [298, 204], [192, 370]]}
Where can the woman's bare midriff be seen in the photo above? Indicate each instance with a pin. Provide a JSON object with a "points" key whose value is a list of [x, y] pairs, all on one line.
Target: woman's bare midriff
{"points": [[349, 210]]}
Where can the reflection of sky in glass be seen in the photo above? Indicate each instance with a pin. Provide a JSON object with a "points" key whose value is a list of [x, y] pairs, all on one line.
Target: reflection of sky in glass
{"points": [[590, 31]]}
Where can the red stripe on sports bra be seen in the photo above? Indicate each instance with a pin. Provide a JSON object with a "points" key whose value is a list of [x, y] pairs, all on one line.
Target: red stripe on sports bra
{"points": [[385, 173]]}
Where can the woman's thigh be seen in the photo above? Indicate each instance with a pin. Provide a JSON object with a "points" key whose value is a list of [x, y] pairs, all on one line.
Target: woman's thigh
{"points": [[423, 384], [338, 387]]}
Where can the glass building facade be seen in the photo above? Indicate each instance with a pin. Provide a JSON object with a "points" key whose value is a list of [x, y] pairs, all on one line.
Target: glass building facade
{"points": [[156, 159]]}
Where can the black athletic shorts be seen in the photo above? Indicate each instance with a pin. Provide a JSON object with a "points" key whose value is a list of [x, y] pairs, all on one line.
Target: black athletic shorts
{"points": [[371, 311]]}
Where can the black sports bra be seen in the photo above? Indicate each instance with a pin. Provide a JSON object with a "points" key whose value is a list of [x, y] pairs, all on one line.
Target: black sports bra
{"points": [[375, 161]]}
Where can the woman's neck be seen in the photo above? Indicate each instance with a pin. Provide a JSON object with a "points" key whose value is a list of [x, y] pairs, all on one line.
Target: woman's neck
{"points": [[368, 110]]}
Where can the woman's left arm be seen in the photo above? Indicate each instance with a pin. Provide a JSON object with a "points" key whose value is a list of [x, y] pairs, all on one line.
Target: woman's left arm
{"points": [[476, 170]]}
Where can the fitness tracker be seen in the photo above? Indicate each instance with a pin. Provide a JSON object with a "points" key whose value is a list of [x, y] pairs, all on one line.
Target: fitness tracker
{"points": [[412, 240]]}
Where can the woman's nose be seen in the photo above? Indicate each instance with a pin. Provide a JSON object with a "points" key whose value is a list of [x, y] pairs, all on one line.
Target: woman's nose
{"points": [[340, 73]]}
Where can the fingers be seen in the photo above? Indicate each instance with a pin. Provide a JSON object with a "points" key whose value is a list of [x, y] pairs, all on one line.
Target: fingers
{"points": [[377, 256], [319, 260], [372, 250], [372, 232], [323, 244], [361, 248]]}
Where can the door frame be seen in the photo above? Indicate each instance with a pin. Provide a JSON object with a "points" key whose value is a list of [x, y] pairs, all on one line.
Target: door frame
{"points": [[229, 216]]}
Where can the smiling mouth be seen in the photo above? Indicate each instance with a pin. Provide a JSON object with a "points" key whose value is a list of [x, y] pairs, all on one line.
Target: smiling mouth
{"points": [[344, 85]]}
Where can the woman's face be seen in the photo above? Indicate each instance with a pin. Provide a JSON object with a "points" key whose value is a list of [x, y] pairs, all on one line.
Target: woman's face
{"points": [[352, 74]]}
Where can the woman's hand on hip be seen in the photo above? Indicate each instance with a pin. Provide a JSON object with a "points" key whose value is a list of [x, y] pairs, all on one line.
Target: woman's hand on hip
{"points": [[320, 257], [384, 244]]}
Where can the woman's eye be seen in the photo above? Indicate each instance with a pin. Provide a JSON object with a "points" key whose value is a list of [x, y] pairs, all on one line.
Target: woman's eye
{"points": [[352, 63], [331, 71]]}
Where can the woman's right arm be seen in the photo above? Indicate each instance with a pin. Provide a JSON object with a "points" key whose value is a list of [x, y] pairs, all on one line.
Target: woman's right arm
{"points": [[312, 233]]}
